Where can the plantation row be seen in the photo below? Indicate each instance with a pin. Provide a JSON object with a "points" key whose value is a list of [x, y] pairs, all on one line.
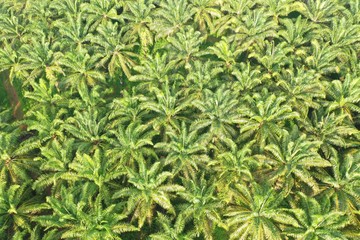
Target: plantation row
{"points": [[180, 119]]}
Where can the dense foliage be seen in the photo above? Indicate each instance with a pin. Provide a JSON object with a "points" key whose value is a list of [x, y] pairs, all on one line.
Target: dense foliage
{"points": [[180, 119]]}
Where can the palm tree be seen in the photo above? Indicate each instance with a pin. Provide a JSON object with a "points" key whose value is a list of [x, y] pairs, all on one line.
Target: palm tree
{"points": [[219, 113], [291, 159], [302, 89], [64, 7], [127, 109], [227, 52], [340, 185], [17, 206], [171, 17], [234, 166], [15, 163], [73, 219], [138, 19], [80, 70], [204, 13], [263, 116], [185, 153], [316, 220], [330, 129], [100, 12], [131, 144], [345, 95], [154, 71], [273, 57], [322, 58], [11, 61], [296, 33], [96, 170], [88, 128], [74, 31], [254, 27], [235, 9], [257, 213], [45, 125], [148, 188], [114, 48], [167, 108], [321, 11], [201, 76], [171, 231], [186, 46], [202, 207], [247, 77], [41, 59], [54, 164]]}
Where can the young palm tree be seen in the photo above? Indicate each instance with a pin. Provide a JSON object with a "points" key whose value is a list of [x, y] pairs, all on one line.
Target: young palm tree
{"points": [[316, 220], [292, 158], [115, 49], [17, 206], [256, 213], [345, 95], [219, 113], [202, 207], [171, 231], [204, 13], [73, 219], [185, 153], [148, 189], [171, 17], [88, 128], [138, 18], [263, 116]]}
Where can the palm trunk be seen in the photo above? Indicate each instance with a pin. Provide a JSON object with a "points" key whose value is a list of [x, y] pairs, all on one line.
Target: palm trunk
{"points": [[12, 96]]}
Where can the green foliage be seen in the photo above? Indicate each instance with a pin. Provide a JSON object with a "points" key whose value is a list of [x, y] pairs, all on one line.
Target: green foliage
{"points": [[179, 119]]}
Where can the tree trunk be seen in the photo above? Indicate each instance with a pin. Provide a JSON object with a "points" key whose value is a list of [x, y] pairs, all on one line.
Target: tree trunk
{"points": [[12, 96]]}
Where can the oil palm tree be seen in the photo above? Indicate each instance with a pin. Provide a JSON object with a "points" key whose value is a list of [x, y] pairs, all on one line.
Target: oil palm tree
{"points": [[18, 205], [115, 49], [202, 207], [257, 213], [291, 159], [219, 113], [138, 18], [171, 17], [204, 13], [185, 153], [341, 185], [316, 220], [345, 95], [148, 188], [263, 115], [130, 144], [73, 219]]}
